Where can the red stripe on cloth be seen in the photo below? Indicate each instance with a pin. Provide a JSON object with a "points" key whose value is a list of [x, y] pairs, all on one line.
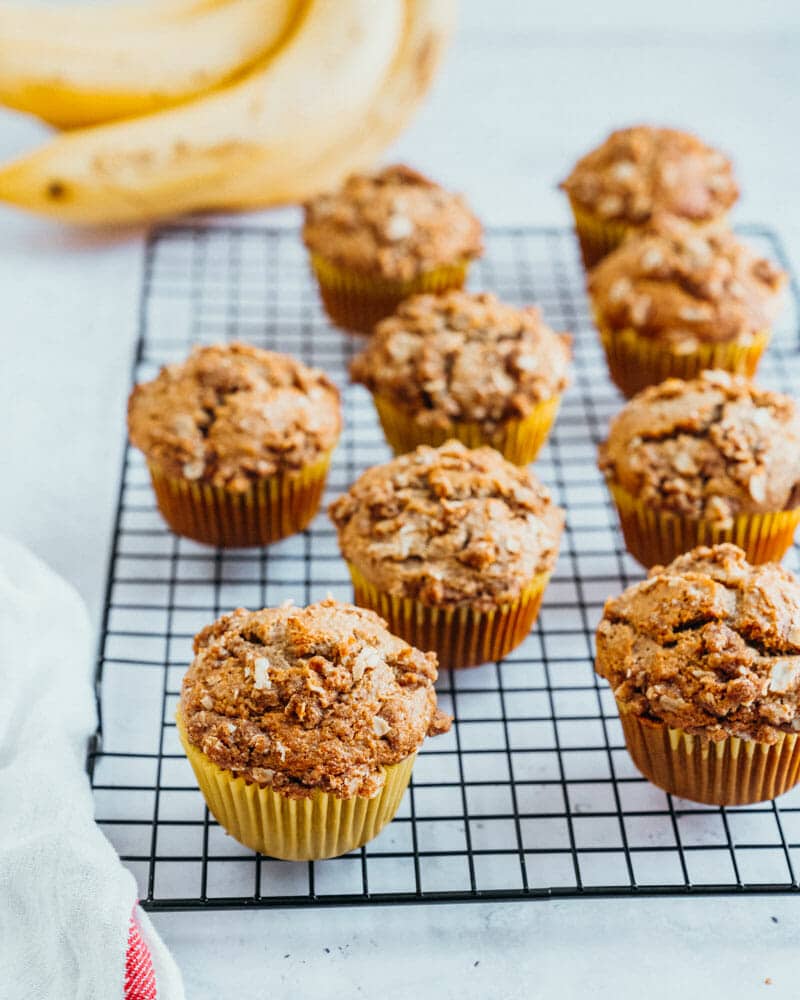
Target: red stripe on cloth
{"points": [[140, 978]]}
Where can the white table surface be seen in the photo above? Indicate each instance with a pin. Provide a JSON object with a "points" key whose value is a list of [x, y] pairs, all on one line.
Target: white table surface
{"points": [[520, 99]]}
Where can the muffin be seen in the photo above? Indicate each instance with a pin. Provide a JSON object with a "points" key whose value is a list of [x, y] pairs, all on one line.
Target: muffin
{"points": [[673, 301], [302, 724], [385, 236], [703, 658], [641, 172], [238, 443], [453, 547], [712, 460], [467, 367]]}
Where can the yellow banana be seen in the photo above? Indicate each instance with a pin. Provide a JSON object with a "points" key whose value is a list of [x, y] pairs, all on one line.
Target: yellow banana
{"points": [[84, 77], [428, 27], [48, 19], [339, 90], [304, 169]]}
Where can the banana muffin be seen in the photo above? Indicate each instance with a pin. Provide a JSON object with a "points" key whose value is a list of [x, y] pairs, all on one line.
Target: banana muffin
{"points": [[238, 441], [384, 236], [465, 366], [714, 459], [454, 547], [703, 659], [642, 172], [302, 725], [673, 301]]}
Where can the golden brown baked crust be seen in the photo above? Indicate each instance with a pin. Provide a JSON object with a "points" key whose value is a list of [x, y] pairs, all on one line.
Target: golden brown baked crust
{"points": [[642, 171], [464, 357], [686, 287], [714, 447], [709, 644], [394, 224], [231, 414], [449, 526], [309, 698]]}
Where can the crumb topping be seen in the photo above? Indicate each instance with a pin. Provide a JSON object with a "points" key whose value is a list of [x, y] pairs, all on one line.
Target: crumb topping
{"points": [[640, 171], [709, 644], [713, 447], [686, 287], [321, 697], [232, 413], [394, 224], [449, 526], [464, 357]]}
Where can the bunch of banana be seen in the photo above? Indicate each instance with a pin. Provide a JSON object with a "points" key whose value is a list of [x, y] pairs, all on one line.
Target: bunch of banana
{"points": [[189, 105]]}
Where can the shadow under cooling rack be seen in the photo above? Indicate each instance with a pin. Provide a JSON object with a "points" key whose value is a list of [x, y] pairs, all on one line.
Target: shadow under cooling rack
{"points": [[532, 793]]}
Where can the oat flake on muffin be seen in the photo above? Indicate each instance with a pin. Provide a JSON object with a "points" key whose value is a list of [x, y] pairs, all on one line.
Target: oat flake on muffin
{"points": [[232, 414], [394, 224], [642, 171], [449, 525], [712, 448], [304, 699], [709, 645], [464, 357], [685, 288]]}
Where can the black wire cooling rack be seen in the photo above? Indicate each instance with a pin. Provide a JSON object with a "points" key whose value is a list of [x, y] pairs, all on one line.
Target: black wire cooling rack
{"points": [[532, 793]]}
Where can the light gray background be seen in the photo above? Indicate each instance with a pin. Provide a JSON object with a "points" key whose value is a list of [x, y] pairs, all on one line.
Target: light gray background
{"points": [[526, 88]]}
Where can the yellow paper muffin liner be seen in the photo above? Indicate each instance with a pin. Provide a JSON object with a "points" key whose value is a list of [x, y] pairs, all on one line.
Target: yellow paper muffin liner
{"points": [[730, 772], [357, 302], [657, 537], [269, 510], [597, 237], [307, 829], [518, 441], [634, 362], [461, 636]]}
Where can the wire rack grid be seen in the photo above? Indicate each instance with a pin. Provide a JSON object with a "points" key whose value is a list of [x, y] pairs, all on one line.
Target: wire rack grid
{"points": [[532, 793]]}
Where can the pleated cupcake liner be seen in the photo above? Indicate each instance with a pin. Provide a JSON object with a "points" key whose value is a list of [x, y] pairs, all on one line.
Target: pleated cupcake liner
{"points": [[518, 441], [305, 829], [460, 636], [729, 772], [656, 538], [269, 510], [634, 362], [357, 302], [597, 237]]}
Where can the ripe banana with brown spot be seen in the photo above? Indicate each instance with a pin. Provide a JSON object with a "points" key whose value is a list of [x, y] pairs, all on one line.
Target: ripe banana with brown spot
{"points": [[337, 93], [76, 76]]}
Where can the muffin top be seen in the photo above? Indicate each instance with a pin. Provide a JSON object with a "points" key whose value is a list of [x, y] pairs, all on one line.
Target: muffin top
{"points": [[463, 357], [449, 526], [393, 224], [709, 644], [231, 414], [640, 171], [713, 447], [686, 287], [309, 698]]}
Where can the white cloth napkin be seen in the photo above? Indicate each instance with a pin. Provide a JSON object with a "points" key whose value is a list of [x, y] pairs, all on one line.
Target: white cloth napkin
{"points": [[65, 899]]}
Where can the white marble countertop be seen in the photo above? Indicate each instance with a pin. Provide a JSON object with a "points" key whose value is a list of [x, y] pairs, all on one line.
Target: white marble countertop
{"points": [[520, 98]]}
